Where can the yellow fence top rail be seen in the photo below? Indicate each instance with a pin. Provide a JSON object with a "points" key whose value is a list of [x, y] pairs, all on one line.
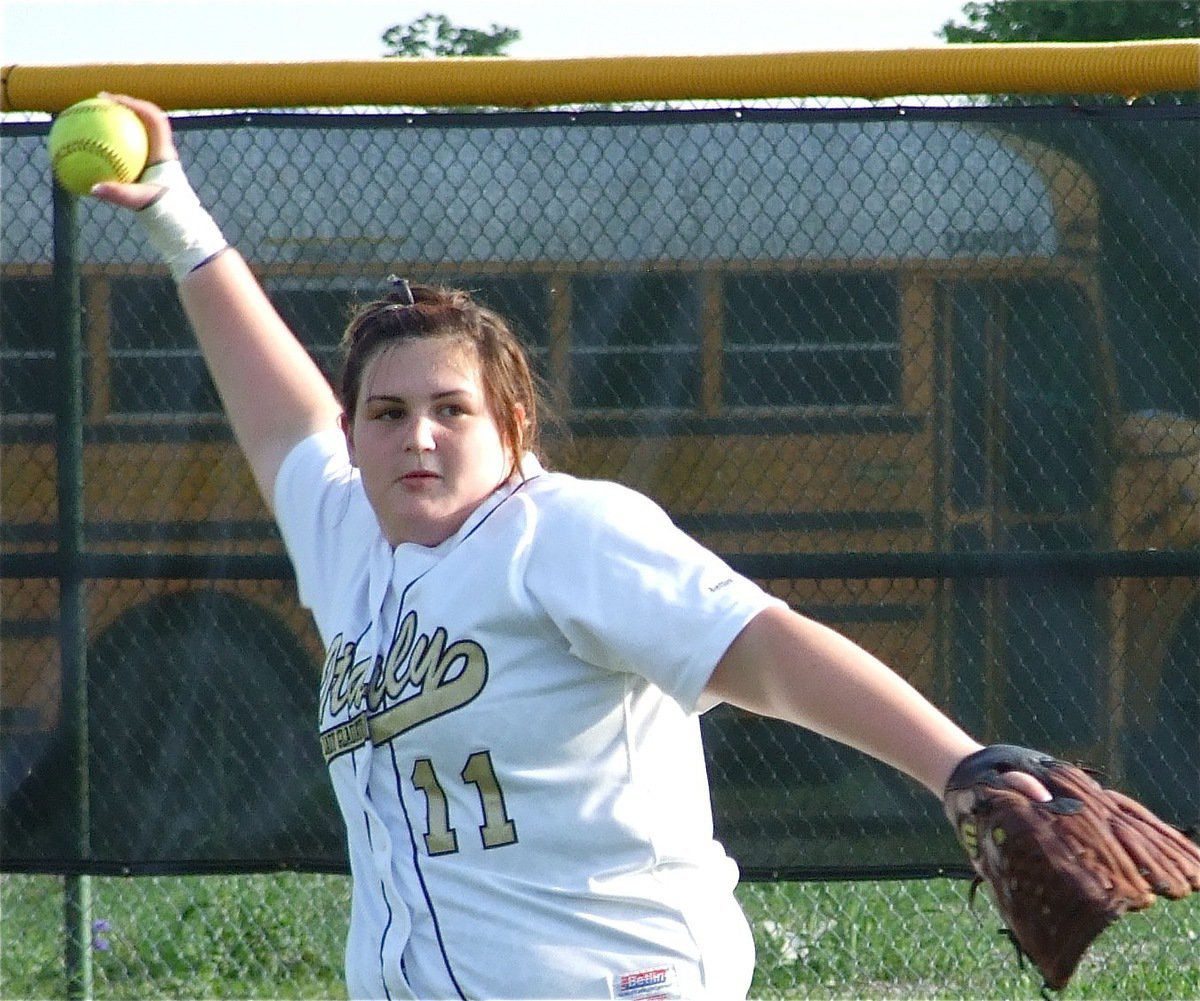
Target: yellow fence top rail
{"points": [[1130, 69]]}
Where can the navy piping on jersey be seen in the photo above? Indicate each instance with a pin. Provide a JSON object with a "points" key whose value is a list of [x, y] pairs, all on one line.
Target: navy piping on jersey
{"points": [[387, 926], [399, 782], [400, 791], [416, 858]]}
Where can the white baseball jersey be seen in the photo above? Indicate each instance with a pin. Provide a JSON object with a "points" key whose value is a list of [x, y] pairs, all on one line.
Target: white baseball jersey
{"points": [[510, 723]]}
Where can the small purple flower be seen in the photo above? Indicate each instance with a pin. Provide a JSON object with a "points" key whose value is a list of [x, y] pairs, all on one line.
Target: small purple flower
{"points": [[99, 927]]}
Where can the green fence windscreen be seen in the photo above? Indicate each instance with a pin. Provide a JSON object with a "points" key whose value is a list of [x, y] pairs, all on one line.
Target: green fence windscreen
{"points": [[932, 376]]}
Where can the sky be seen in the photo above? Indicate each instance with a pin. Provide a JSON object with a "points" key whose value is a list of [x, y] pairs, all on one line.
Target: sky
{"points": [[66, 32]]}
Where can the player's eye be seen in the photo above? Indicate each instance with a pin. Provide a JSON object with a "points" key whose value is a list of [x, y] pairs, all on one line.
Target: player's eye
{"points": [[386, 412]]}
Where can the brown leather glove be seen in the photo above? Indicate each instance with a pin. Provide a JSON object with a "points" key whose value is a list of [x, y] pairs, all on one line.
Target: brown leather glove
{"points": [[1060, 872]]}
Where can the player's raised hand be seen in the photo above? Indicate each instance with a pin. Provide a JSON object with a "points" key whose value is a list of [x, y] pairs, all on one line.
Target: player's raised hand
{"points": [[138, 194], [178, 226]]}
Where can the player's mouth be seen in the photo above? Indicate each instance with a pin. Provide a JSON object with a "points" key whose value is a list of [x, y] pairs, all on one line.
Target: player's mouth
{"points": [[419, 476]]}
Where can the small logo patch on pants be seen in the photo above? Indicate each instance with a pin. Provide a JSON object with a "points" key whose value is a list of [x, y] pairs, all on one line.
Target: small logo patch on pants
{"points": [[655, 983]]}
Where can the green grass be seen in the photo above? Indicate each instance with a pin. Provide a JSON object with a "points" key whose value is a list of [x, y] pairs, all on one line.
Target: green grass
{"points": [[278, 936], [281, 936], [923, 939]]}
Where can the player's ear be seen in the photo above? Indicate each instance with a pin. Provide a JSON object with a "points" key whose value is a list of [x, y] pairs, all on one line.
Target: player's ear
{"points": [[348, 430]]}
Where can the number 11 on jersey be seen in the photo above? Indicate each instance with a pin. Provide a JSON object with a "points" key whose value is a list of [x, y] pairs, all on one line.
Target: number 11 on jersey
{"points": [[496, 830]]}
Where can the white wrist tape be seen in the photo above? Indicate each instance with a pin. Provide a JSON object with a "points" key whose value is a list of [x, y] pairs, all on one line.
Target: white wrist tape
{"points": [[177, 225]]}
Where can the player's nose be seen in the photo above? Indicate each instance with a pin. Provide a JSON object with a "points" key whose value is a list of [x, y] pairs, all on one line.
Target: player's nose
{"points": [[420, 436]]}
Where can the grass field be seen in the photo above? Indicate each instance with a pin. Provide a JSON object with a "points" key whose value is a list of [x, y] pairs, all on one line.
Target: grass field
{"points": [[280, 936]]}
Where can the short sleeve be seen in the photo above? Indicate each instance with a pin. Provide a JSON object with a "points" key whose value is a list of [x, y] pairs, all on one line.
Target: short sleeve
{"points": [[632, 592], [322, 512]]}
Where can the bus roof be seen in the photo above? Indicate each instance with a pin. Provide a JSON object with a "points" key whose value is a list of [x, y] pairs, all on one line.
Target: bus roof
{"points": [[384, 189]]}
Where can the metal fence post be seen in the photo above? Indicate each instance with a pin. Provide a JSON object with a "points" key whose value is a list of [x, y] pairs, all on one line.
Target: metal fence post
{"points": [[77, 889]]}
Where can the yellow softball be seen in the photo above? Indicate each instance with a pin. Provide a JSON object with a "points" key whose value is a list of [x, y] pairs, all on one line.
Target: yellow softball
{"points": [[96, 140]]}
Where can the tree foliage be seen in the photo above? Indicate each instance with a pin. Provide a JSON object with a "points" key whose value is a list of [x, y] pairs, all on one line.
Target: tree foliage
{"points": [[435, 35], [1074, 21]]}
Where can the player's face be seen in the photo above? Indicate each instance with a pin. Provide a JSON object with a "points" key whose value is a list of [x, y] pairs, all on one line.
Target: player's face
{"points": [[424, 439]]}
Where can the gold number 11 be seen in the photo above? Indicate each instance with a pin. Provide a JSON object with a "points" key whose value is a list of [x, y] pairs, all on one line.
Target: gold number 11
{"points": [[496, 830]]}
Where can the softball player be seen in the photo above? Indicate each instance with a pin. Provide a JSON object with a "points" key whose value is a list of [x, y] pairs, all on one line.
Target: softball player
{"points": [[507, 718], [515, 658]]}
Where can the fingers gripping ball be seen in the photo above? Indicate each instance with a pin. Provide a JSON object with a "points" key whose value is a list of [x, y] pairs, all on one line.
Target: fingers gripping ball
{"points": [[96, 140]]}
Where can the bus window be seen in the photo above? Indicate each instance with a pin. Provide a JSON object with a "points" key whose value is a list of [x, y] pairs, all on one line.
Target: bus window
{"points": [[1030, 346], [635, 342], [27, 339], [156, 364], [804, 339], [971, 356], [522, 299], [1050, 375], [317, 317]]}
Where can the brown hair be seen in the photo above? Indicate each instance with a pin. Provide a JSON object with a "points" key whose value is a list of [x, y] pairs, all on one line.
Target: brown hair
{"points": [[426, 311]]}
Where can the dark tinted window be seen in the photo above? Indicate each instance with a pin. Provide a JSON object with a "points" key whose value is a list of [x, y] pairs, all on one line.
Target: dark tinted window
{"points": [[635, 342], [156, 364], [28, 378], [801, 339]]}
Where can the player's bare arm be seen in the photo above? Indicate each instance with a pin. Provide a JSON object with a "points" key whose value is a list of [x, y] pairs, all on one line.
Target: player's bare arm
{"points": [[272, 391], [787, 666]]}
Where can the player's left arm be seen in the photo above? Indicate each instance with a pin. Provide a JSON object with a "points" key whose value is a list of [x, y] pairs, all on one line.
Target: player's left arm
{"points": [[790, 667]]}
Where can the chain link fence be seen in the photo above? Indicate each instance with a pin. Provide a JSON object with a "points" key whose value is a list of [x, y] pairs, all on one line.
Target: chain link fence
{"points": [[931, 374]]}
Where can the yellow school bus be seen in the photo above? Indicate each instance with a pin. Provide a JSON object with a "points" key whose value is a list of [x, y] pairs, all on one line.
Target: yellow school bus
{"points": [[868, 361]]}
